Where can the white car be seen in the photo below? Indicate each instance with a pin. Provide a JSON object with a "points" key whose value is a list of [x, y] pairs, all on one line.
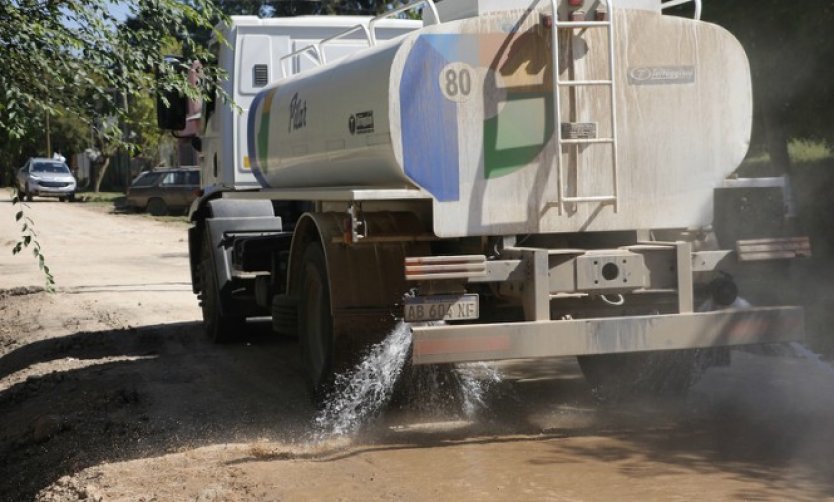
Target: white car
{"points": [[46, 178]]}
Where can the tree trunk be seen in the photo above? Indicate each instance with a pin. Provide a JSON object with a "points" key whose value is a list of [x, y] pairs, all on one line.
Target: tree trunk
{"points": [[101, 172], [776, 136]]}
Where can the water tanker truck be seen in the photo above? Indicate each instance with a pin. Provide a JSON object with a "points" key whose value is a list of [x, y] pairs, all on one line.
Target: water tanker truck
{"points": [[516, 179]]}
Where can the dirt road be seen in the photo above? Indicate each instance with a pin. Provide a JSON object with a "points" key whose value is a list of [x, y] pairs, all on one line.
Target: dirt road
{"points": [[108, 392]]}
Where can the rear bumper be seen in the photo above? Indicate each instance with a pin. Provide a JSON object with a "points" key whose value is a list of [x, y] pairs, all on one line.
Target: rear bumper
{"points": [[525, 340], [52, 192]]}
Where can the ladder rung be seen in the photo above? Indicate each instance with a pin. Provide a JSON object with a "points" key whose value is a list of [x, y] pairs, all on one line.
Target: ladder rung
{"points": [[569, 83], [596, 198], [586, 141], [583, 24]]}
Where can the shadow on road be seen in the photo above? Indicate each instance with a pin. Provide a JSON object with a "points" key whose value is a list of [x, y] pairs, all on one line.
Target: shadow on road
{"points": [[144, 392], [176, 391]]}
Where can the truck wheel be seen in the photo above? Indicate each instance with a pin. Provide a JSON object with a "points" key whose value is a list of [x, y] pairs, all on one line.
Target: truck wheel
{"points": [[617, 376], [217, 326], [315, 322], [157, 207]]}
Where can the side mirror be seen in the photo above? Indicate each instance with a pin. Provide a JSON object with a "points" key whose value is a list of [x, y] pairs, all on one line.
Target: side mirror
{"points": [[171, 116]]}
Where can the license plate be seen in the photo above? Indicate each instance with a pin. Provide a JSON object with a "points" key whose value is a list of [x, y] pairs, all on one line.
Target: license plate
{"points": [[442, 308]]}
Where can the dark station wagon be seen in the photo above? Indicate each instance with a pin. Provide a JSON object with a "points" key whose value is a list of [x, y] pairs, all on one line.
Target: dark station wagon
{"points": [[164, 191]]}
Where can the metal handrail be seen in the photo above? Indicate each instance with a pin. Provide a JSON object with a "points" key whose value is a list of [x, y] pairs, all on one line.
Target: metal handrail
{"points": [[675, 3], [369, 31], [303, 51], [400, 10], [345, 33]]}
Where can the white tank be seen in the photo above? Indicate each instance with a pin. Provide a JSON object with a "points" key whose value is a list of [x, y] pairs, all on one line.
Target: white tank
{"points": [[464, 110]]}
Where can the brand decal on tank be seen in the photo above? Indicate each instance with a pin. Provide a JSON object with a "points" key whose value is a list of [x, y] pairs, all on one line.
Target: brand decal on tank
{"points": [[661, 75], [361, 123], [298, 113]]}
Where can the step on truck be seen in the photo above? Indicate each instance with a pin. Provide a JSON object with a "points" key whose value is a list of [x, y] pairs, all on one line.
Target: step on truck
{"points": [[516, 179]]}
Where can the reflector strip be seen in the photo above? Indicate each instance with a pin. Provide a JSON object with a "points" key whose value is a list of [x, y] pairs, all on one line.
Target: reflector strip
{"points": [[445, 267], [773, 249]]}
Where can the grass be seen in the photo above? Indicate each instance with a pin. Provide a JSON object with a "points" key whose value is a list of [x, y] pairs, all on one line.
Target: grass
{"points": [[803, 153], [169, 219], [114, 202], [106, 197]]}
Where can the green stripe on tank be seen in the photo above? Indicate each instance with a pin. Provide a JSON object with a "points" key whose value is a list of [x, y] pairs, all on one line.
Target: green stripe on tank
{"points": [[263, 130], [516, 136]]}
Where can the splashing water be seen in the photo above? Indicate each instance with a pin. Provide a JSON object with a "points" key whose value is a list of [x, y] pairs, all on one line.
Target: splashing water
{"points": [[476, 380], [365, 390], [815, 358]]}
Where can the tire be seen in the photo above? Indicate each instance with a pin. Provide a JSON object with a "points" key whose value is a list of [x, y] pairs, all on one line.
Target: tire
{"points": [[71, 197], [27, 194], [62, 199], [157, 207], [315, 322], [617, 376], [218, 327]]}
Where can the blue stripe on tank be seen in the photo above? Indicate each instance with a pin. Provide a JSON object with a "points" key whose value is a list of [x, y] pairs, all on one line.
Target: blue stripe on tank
{"points": [[251, 136], [457, 48], [429, 121]]}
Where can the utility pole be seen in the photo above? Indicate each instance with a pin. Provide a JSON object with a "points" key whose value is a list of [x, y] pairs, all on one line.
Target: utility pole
{"points": [[125, 135], [48, 138]]}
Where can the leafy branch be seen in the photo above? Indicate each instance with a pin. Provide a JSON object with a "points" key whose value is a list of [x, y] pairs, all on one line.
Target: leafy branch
{"points": [[80, 59], [29, 239]]}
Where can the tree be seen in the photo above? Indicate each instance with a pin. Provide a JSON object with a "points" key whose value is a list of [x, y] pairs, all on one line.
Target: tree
{"points": [[790, 57], [75, 59], [286, 8], [71, 57]]}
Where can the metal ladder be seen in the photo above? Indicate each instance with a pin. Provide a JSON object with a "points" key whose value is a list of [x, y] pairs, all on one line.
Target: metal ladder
{"points": [[558, 84]]}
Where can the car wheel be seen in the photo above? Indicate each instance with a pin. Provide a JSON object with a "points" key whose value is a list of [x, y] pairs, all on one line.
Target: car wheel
{"points": [[157, 207], [62, 199], [71, 197], [218, 326], [27, 194]]}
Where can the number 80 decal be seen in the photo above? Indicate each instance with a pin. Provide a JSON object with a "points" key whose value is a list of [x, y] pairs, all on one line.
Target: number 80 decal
{"points": [[458, 81]]}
